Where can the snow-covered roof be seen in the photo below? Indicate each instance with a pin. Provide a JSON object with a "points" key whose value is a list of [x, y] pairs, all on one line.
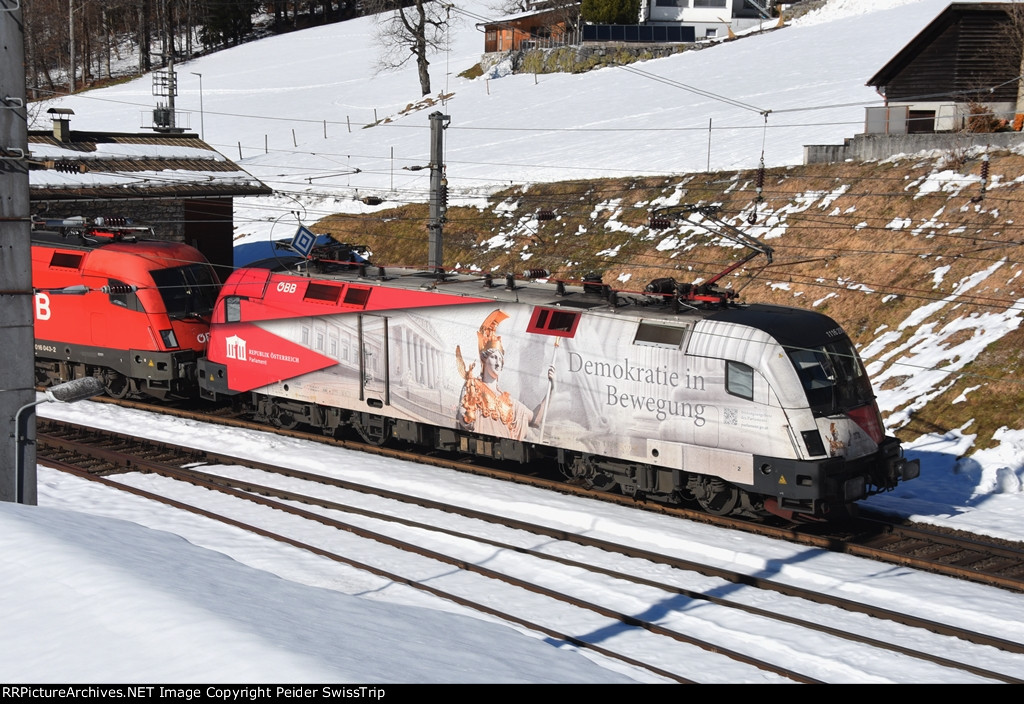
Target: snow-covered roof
{"points": [[533, 12], [120, 165]]}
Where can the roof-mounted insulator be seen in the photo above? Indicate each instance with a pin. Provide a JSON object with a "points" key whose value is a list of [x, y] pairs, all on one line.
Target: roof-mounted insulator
{"points": [[112, 222], [592, 283], [661, 286], [119, 289], [68, 167]]}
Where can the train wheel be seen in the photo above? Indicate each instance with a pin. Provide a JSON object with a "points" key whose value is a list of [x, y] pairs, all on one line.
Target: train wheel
{"points": [[717, 497], [285, 421], [117, 385], [586, 473]]}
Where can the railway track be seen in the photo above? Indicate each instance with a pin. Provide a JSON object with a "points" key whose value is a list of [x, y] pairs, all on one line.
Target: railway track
{"points": [[887, 539], [99, 455]]}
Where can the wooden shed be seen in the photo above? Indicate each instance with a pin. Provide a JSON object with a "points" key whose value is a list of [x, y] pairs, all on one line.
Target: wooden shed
{"points": [[963, 65], [174, 182], [539, 27]]}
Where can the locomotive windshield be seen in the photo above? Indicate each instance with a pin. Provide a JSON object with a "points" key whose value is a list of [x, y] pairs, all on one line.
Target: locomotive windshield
{"points": [[188, 291], [832, 376]]}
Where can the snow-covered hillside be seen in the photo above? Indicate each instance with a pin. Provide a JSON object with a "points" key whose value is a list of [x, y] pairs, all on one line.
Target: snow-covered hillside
{"points": [[304, 111]]}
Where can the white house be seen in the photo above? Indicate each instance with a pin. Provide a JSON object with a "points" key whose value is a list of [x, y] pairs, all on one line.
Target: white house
{"points": [[709, 18]]}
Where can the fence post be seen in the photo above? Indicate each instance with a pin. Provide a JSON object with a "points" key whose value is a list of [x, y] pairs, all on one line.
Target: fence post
{"points": [[709, 145]]}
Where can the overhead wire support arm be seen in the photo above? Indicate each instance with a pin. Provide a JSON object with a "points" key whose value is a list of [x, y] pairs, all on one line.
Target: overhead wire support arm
{"points": [[708, 292], [662, 217]]}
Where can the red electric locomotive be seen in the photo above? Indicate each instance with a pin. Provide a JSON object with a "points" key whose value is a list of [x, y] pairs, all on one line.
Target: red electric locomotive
{"points": [[130, 311]]}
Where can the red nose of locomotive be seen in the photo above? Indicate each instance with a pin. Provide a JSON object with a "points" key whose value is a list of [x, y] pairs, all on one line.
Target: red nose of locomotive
{"points": [[134, 312]]}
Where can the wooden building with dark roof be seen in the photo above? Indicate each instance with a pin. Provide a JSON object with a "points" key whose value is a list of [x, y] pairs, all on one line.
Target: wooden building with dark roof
{"points": [[965, 62], [174, 182], [538, 27]]}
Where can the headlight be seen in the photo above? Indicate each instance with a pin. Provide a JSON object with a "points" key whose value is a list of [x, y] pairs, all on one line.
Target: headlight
{"points": [[169, 339]]}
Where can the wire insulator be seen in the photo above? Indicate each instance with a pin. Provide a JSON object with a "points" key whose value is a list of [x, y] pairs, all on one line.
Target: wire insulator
{"points": [[984, 180], [118, 289]]}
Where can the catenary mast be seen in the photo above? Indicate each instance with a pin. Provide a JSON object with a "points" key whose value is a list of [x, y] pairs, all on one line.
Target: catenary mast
{"points": [[16, 335]]}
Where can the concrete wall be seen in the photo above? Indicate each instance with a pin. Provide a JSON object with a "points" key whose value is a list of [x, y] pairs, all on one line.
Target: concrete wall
{"points": [[873, 147]]}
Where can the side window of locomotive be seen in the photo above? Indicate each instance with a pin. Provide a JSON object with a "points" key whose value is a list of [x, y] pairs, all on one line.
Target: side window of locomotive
{"points": [[123, 295], [650, 335], [324, 293], [66, 260], [551, 321], [356, 296], [739, 380]]}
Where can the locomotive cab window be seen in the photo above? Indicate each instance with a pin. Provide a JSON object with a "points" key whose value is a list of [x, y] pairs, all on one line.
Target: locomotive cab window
{"points": [[832, 376], [739, 380], [188, 291], [652, 335], [550, 321]]}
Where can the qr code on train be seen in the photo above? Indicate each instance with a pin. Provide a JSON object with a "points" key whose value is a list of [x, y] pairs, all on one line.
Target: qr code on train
{"points": [[729, 416]]}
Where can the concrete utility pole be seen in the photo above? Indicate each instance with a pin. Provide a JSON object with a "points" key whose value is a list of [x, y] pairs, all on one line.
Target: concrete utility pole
{"points": [[438, 190], [71, 46], [17, 386]]}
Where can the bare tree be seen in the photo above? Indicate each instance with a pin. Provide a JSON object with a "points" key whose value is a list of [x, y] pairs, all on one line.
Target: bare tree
{"points": [[412, 32], [509, 7]]}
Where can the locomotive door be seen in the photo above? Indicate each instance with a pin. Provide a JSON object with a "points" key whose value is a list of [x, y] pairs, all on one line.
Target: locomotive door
{"points": [[374, 363]]}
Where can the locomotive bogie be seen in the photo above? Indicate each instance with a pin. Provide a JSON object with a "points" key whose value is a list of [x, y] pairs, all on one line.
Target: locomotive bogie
{"points": [[742, 410], [125, 373]]}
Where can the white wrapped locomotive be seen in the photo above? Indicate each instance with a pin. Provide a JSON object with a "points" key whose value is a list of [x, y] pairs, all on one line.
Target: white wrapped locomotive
{"points": [[747, 410]]}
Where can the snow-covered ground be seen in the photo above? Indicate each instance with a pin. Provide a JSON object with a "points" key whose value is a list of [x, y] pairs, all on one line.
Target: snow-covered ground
{"points": [[92, 600], [101, 587]]}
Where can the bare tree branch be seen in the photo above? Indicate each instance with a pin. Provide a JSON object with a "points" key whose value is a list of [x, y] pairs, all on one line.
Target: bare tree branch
{"points": [[412, 32]]}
